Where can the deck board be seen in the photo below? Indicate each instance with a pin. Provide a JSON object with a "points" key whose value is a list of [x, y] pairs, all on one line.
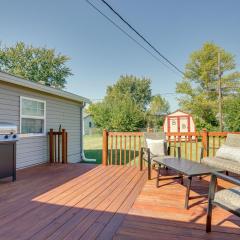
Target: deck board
{"points": [[158, 213], [64, 201], [86, 201]]}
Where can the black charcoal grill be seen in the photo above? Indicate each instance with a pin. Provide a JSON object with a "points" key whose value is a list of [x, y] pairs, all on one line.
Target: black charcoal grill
{"points": [[8, 139]]}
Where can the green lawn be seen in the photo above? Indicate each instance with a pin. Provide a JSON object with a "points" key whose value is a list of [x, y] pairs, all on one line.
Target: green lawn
{"points": [[93, 147], [93, 150]]}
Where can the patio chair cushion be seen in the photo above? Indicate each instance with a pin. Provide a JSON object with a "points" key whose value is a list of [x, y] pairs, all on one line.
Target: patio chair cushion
{"points": [[229, 198], [233, 140], [222, 163], [229, 152], [156, 147]]}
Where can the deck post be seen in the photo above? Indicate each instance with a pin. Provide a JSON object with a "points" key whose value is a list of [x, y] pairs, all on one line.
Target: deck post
{"points": [[105, 148], [64, 159], [51, 146], [205, 142]]}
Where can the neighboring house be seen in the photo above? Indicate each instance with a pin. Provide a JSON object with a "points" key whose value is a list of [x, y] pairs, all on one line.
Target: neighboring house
{"points": [[179, 121], [88, 124], [35, 108]]}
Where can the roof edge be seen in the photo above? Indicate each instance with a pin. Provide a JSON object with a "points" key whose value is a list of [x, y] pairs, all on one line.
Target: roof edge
{"points": [[9, 78]]}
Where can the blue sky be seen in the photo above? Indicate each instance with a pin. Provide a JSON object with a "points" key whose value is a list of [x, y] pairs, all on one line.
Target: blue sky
{"points": [[100, 53]]}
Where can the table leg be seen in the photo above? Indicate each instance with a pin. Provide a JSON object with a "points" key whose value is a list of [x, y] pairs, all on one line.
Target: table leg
{"points": [[181, 180], [158, 175], [188, 191]]}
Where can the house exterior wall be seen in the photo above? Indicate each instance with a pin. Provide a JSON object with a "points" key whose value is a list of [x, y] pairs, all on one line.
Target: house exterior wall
{"points": [[34, 150]]}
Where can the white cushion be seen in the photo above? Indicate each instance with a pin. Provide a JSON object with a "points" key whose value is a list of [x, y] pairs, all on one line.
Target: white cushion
{"points": [[228, 152], [156, 147]]}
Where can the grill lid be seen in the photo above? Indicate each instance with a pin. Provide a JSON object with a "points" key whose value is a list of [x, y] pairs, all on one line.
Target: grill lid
{"points": [[7, 128]]}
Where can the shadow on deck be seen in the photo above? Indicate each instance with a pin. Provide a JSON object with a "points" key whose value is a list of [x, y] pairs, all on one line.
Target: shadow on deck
{"points": [[86, 201]]}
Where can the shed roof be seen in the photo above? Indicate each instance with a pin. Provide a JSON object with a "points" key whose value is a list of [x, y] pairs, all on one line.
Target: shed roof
{"points": [[9, 78]]}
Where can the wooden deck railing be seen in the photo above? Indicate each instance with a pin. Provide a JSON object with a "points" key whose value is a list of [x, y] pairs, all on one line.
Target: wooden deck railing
{"points": [[58, 149], [123, 148]]}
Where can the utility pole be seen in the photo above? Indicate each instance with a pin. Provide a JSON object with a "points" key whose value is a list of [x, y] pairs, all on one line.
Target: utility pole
{"points": [[220, 93]]}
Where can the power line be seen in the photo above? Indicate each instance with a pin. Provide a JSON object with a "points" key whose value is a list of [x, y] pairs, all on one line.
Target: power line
{"points": [[142, 37], [129, 36]]}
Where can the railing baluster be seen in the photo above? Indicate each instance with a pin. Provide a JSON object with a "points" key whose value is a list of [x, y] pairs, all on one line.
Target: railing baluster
{"points": [[191, 148], [213, 146], [125, 150], [116, 150], [174, 153], [121, 150], [185, 147], [196, 148], [139, 149], [111, 151], [129, 153], [134, 146]]}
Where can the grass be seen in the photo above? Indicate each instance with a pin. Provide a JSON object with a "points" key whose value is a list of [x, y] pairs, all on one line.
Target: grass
{"points": [[93, 147], [93, 150]]}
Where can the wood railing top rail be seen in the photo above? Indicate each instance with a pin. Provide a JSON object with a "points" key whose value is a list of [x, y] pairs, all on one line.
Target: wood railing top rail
{"points": [[55, 133], [220, 134], [188, 134], [125, 134]]}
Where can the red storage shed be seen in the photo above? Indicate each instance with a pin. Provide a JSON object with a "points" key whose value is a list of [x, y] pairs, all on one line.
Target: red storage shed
{"points": [[179, 121]]}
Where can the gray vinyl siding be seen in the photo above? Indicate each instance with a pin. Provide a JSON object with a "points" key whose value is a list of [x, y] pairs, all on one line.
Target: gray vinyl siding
{"points": [[34, 150]]}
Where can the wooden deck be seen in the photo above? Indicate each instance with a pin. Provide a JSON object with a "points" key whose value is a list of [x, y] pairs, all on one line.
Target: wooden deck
{"points": [[160, 214], [74, 201], [84, 201]]}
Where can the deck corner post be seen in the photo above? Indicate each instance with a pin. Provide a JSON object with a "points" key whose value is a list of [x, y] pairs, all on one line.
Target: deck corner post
{"points": [[64, 146], [205, 142], [105, 148], [51, 150]]}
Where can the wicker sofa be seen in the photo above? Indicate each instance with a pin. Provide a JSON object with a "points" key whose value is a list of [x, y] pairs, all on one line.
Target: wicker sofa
{"points": [[223, 162], [227, 159]]}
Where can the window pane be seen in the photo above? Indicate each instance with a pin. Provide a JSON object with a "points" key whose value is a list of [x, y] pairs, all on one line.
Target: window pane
{"points": [[32, 125], [32, 108]]}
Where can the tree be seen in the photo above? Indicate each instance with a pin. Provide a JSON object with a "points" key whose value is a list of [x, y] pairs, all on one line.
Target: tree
{"points": [[35, 64], [200, 84], [158, 108], [119, 114], [124, 105], [139, 89], [232, 113]]}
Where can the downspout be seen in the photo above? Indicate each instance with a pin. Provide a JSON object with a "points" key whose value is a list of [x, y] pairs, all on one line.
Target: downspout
{"points": [[83, 158]]}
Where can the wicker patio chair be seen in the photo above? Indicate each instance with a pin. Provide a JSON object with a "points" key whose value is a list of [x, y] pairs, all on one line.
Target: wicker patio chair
{"points": [[148, 156], [228, 199]]}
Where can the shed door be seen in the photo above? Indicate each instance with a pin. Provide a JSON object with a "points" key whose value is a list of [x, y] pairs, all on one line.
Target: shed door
{"points": [[184, 124], [173, 123]]}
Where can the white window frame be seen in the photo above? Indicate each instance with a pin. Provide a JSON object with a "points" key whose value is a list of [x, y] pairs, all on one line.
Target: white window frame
{"points": [[32, 117]]}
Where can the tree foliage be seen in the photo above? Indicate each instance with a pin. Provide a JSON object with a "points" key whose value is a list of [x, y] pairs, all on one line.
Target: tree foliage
{"points": [[35, 64], [158, 108], [121, 114], [124, 105], [139, 89], [199, 87], [232, 113]]}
